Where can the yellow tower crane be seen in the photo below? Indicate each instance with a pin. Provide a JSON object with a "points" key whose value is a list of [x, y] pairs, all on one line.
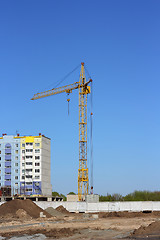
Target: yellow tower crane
{"points": [[84, 89]]}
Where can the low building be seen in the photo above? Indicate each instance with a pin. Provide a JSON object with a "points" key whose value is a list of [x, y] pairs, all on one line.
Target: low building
{"points": [[25, 165], [92, 198]]}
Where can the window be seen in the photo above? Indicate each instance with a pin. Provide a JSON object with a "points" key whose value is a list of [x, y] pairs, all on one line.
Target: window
{"points": [[0, 158], [23, 151], [29, 183], [29, 190], [29, 176], [0, 151], [29, 150], [23, 158], [37, 150], [8, 160], [16, 171], [37, 184], [16, 164], [16, 151], [28, 157], [23, 164], [37, 177], [22, 177], [16, 145], [16, 158], [7, 146], [16, 177], [37, 157], [0, 145], [23, 171], [29, 144], [37, 170], [36, 190], [16, 184], [28, 170], [28, 163], [0, 164], [37, 144], [7, 153], [37, 164], [23, 144]]}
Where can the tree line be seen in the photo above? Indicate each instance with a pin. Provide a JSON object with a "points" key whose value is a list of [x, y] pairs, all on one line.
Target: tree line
{"points": [[135, 196]]}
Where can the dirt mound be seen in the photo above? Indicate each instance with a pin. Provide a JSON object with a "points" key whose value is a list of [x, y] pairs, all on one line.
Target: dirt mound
{"points": [[62, 210], [10, 209], [119, 214], [126, 214], [54, 212], [153, 229]]}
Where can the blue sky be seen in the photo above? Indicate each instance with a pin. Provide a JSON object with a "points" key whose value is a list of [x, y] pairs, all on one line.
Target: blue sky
{"points": [[42, 41]]}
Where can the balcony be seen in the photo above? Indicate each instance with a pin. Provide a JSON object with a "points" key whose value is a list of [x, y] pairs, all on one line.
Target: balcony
{"points": [[7, 164], [7, 176], [8, 170], [8, 183], [7, 157], [7, 150]]}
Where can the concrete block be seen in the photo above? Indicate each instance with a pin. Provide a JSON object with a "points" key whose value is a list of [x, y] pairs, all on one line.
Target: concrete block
{"points": [[92, 198], [42, 215]]}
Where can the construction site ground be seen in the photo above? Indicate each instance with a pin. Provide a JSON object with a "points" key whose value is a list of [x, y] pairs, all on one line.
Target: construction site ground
{"points": [[20, 219]]}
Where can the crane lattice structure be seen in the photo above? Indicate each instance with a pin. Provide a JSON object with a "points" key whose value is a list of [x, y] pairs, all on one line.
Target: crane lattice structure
{"points": [[84, 90]]}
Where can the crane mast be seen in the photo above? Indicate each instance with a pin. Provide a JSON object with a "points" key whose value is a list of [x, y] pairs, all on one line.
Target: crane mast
{"points": [[84, 89], [83, 169]]}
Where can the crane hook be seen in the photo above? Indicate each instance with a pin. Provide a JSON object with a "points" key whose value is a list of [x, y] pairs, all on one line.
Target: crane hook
{"points": [[68, 99]]}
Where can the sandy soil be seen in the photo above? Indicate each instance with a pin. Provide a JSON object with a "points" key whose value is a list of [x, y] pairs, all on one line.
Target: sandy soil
{"points": [[76, 227], [22, 219]]}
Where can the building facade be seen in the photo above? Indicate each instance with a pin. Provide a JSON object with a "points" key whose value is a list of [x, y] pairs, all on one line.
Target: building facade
{"points": [[25, 165]]}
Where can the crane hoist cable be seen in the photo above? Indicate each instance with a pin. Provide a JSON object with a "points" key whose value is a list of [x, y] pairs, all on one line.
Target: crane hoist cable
{"points": [[57, 83], [66, 76]]}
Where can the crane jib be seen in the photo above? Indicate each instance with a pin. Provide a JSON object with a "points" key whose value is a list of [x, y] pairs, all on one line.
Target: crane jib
{"points": [[66, 89]]}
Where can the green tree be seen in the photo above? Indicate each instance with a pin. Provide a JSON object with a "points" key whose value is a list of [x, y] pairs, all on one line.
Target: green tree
{"points": [[71, 193], [55, 194], [63, 196]]}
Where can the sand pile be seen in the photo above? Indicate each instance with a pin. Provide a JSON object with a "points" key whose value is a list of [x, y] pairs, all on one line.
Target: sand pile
{"points": [[152, 230], [62, 210], [22, 214], [53, 212], [21, 209]]}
